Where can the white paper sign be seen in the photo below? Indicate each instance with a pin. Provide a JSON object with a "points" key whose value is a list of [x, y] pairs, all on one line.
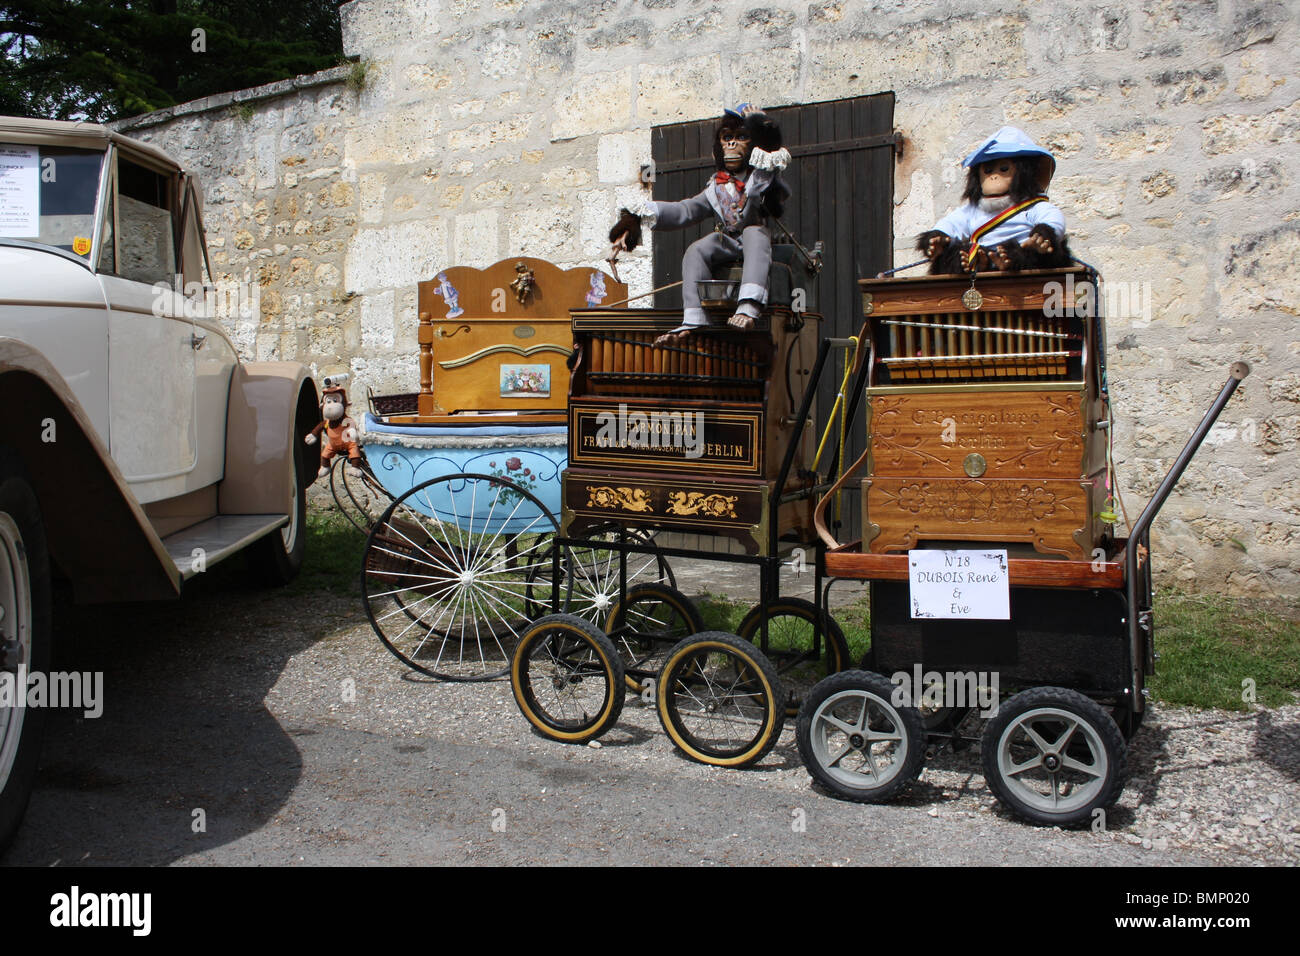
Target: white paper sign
{"points": [[959, 584], [19, 192]]}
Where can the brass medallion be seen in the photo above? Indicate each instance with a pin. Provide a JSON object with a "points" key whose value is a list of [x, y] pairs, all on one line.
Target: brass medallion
{"points": [[974, 465], [972, 299]]}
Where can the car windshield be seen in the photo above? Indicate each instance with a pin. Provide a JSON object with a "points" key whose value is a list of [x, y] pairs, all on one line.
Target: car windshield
{"points": [[48, 193]]}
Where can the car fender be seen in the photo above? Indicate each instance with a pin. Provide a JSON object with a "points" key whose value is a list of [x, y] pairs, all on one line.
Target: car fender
{"points": [[269, 404], [98, 535]]}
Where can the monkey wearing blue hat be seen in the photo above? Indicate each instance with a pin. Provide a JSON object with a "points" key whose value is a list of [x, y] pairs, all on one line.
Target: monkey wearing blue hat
{"points": [[1005, 222], [744, 191]]}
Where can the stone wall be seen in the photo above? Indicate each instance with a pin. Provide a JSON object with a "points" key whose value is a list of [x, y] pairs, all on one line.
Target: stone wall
{"points": [[487, 128]]}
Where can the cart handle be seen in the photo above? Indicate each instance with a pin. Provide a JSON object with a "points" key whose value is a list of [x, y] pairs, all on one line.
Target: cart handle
{"points": [[819, 513], [1136, 627]]}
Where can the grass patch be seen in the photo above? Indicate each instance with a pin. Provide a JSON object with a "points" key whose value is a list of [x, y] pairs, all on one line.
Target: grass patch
{"points": [[1208, 644], [720, 613], [334, 552]]}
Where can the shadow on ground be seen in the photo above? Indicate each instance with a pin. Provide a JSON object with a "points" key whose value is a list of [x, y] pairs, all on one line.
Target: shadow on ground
{"points": [[184, 726]]}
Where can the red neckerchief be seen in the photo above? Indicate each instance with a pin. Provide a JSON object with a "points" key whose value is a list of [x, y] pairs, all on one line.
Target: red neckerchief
{"points": [[725, 177]]}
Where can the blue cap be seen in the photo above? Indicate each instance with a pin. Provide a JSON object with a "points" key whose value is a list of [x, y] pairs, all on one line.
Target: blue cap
{"points": [[738, 111], [1008, 142]]}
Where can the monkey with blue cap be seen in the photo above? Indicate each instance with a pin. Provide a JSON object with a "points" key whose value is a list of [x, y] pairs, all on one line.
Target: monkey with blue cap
{"points": [[745, 190], [1005, 222]]}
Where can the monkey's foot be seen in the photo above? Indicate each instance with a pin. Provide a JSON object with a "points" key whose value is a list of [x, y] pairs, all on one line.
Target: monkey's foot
{"points": [[676, 337]]}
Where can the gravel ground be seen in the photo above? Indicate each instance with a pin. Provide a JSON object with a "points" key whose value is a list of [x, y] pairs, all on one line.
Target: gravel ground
{"points": [[232, 701]]}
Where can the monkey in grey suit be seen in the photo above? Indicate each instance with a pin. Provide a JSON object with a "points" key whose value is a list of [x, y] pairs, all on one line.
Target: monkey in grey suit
{"points": [[744, 191]]}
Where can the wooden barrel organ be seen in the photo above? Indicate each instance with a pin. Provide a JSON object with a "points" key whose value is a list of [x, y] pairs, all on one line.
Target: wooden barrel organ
{"points": [[691, 437], [985, 414]]}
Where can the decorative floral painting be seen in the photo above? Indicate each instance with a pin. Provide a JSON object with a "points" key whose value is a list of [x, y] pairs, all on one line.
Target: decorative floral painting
{"points": [[525, 381]]}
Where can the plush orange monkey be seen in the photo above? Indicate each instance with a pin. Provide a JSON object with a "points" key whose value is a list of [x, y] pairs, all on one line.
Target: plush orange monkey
{"points": [[339, 429]]}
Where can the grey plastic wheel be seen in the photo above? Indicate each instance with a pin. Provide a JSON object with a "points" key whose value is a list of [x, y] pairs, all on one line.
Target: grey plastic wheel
{"points": [[855, 741], [1053, 756]]}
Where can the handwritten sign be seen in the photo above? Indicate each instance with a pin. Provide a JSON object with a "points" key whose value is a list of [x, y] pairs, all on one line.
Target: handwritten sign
{"points": [[959, 584], [19, 192]]}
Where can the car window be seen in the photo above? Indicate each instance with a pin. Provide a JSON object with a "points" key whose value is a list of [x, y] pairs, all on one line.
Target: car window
{"points": [[146, 240], [48, 193]]}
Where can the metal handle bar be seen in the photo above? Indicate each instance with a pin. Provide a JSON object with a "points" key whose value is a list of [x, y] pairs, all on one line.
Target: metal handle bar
{"points": [[1137, 533]]}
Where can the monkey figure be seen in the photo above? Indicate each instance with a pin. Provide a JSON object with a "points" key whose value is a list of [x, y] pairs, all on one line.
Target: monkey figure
{"points": [[1005, 222], [338, 429], [745, 190]]}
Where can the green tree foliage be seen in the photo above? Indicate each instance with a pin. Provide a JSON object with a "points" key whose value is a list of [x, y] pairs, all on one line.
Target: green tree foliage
{"points": [[100, 60]]}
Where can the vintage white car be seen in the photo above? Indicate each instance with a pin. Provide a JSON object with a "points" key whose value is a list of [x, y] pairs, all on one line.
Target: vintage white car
{"points": [[140, 450]]}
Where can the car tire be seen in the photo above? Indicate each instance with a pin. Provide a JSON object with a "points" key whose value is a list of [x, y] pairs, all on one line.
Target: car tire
{"points": [[24, 633], [276, 558]]}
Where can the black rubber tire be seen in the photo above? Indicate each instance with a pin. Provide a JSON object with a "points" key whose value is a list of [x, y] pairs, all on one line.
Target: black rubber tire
{"points": [[577, 652], [1108, 740], [644, 652], [760, 697], [797, 675], [271, 560], [18, 502], [877, 692]]}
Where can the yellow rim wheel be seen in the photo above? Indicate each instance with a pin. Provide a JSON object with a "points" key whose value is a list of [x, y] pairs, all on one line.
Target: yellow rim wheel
{"points": [[720, 700], [567, 679]]}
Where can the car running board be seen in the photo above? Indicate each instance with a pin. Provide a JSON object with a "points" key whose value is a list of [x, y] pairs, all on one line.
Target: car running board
{"points": [[200, 546]]}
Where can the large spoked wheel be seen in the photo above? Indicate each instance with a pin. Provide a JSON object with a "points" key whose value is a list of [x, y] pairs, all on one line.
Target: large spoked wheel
{"points": [[24, 639], [450, 577], [595, 570], [654, 617], [358, 494], [855, 741], [719, 700], [567, 679], [801, 656], [1053, 756]]}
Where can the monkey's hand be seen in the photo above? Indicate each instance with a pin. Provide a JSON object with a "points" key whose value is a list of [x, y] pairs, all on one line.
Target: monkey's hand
{"points": [[1037, 242], [626, 234], [932, 244], [976, 263]]}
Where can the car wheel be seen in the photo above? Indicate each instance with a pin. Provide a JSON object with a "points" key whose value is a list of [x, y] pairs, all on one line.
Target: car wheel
{"points": [[25, 640], [276, 558]]}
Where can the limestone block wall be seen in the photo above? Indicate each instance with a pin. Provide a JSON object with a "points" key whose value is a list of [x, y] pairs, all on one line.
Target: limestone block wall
{"points": [[488, 128]]}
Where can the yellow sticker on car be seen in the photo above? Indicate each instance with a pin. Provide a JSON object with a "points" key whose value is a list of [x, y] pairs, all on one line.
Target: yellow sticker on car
{"points": [[81, 245]]}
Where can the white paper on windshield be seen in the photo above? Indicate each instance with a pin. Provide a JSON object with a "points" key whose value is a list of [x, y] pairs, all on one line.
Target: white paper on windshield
{"points": [[20, 208], [959, 584]]}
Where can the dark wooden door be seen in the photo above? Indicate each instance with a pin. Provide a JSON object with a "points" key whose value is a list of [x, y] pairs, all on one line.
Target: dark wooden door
{"points": [[842, 184]]}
